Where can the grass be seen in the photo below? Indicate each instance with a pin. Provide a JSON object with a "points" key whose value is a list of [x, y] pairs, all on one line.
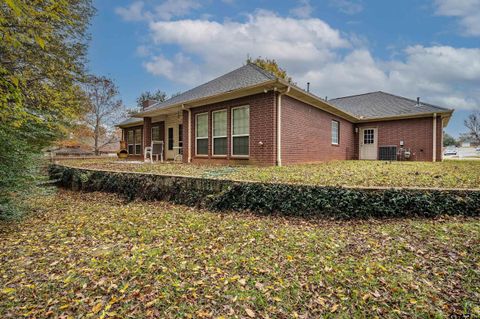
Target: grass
{"points": [[448, 174], [92, 255]]}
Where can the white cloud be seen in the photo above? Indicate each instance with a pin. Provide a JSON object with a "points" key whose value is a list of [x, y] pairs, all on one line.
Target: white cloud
{"points": [[468, 11], [176, 8], [164, 11], [133, 12], [312, 51], [306, 41], [304, 10], [347, 6]]}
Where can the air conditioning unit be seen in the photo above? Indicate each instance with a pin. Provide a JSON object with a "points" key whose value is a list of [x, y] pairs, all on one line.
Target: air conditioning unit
{"points": [[387, 153]]}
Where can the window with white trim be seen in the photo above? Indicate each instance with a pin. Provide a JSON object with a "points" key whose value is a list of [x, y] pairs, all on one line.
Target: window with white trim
{"points": [[219, 132], [201, 133], [240, 131], [335, 132]]}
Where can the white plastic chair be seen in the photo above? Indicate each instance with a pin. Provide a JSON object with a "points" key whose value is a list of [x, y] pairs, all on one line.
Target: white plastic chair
{"points": [[148, 152]]}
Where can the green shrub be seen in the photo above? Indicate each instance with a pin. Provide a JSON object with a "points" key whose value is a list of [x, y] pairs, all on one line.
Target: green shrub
{"points": [[285, 199]]}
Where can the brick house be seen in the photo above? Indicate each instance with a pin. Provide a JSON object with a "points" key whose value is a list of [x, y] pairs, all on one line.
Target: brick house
{"points": [[249, 116]]}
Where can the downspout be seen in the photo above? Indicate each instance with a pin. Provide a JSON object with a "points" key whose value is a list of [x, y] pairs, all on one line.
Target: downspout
{"points": [[434, 157], [279, 125]]}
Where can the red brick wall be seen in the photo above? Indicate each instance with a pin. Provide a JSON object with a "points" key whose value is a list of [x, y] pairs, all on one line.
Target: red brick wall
{"points": [[307, 134], [262, 129], [416, 134], [439, 139]]}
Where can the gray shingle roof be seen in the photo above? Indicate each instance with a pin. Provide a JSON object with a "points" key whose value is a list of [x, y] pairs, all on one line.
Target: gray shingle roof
{"points": [[131, 120], [245, 76], [381, 104]]}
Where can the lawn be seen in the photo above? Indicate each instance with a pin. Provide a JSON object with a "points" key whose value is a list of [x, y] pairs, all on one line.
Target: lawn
{"points": [[448, 174], [92, 255]]}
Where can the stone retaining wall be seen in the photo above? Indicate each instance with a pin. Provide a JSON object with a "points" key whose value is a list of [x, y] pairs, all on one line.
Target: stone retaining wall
{"points": [[268, 198]]}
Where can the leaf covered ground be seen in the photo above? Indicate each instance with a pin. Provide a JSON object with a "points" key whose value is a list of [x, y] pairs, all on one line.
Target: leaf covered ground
{"points": [[90, 255], [447, 174]]}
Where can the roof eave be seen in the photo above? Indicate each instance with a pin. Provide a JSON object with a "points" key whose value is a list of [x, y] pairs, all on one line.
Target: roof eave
{"points": [[444, 114]]}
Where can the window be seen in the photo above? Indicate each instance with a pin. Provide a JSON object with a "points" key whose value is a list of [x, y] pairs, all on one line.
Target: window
{"points": [[170, 138], [134, 141], [368, 136], [138, 141], [130, 142], [219, 132], [201, 134], [335, 132], [155, 133], [240, 131]]}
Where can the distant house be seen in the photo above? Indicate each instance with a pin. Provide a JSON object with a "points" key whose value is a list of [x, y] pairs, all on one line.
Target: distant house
{"points": [[249, 116]]}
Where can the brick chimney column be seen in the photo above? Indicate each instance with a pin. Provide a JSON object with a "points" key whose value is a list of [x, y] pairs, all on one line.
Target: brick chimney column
{"points": [[147, 133], [148, 103]]}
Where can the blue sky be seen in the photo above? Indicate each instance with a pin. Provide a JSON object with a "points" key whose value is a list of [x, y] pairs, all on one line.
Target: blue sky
{"points": [[428, 48]]}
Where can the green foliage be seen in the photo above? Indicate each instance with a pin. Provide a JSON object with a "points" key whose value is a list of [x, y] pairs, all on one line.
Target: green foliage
{"points": [[270, 65], [42, 56], [449, 140], [91, 255], [285, 199]]}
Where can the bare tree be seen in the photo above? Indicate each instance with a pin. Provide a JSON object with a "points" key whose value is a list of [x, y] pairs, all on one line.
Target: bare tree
{"points": [[472, 123], [104, 110], [158, 96]]}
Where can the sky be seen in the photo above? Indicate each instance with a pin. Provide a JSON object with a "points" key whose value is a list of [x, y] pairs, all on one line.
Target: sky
{"points": [[414, 48]]}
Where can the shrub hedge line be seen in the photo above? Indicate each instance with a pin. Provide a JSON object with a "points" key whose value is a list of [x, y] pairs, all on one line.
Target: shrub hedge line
{"points": [[264, 198]]}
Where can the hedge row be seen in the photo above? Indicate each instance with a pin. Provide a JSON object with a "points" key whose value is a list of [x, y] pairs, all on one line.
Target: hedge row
{"points": [[286, 199]]}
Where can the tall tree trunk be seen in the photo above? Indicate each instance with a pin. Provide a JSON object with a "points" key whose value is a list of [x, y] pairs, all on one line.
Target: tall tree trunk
{"points": [[97, 133]]}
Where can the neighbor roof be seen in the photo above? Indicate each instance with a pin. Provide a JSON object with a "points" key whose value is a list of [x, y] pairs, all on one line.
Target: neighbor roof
{"points": [[380, 104], [243, 77]]}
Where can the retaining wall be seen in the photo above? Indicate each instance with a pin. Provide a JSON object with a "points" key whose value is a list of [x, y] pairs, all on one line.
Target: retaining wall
{"points": [[270, 198]]}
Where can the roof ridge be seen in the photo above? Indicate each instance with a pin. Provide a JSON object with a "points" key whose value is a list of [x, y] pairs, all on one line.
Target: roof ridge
{"points": [[410, 100], [354, 95], [394, 95]]}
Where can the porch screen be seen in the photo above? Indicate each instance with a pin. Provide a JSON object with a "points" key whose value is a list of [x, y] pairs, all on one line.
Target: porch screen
{"points": [[138, 141], [220, 132], [240, 130], [155, 133], [201, 135], [130, 142]]}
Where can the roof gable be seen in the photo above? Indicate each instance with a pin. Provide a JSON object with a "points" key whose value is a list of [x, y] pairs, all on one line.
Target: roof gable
{"points": [[243, 77]]}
